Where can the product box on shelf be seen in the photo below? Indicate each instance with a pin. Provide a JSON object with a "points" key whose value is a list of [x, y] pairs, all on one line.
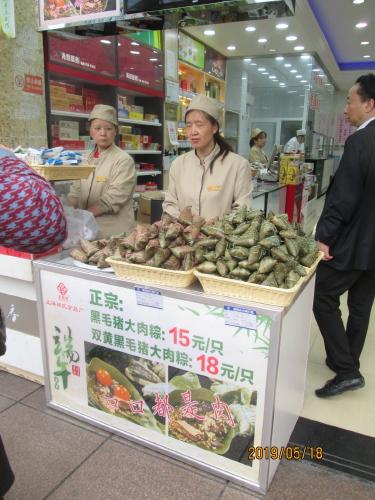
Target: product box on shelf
{"points": [[68, 144], [136, 112], [125, 129], [68, 130], [144, 202], [146, 166], [150, 117]]}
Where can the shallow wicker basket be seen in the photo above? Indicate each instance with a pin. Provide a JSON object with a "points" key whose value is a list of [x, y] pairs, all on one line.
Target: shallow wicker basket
{"points": [[151, 275], [63, 173], [273, 296]]}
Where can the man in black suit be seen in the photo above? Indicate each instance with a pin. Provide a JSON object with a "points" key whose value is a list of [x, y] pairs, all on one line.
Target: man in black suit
{"points": [[346, 234]]}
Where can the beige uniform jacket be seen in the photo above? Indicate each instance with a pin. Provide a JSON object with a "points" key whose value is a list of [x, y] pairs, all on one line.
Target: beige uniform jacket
{"points": [[209, 195], [112, 184], [257, 154]]}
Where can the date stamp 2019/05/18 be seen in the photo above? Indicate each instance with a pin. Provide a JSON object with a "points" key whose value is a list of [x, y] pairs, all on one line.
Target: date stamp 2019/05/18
{"points": [[286, 452]]}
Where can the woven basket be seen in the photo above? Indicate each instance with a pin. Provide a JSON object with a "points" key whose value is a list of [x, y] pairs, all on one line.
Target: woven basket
{"points": [[273, 296], [151, 275], [63, 173]]}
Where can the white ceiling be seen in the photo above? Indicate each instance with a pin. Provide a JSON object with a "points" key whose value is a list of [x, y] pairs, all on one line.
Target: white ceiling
{"points": [[339, 17]]}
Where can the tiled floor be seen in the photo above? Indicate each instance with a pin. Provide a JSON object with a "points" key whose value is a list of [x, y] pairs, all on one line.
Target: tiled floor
{"points": [[57, 457]]}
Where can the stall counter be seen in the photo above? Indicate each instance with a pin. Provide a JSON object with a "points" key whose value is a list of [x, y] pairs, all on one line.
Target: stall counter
{"points": [[214, 382]]}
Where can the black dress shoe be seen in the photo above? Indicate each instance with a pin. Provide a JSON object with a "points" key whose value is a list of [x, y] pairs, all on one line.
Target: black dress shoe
{"points": [[334, 387]]}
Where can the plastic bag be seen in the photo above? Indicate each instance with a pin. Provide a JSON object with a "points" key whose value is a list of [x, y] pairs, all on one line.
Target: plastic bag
{"points": [[81, 224]]}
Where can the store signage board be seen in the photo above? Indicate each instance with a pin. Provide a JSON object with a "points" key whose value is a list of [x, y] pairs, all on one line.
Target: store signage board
{"points": [[7, 19], [132, 68], [158, 375], [214, 63], [190, 51], [56, 14], [88, 54]]}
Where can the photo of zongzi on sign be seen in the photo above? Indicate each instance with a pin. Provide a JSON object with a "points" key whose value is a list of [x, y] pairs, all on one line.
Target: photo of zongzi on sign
{"points": [[116, 382], [215, 415]]}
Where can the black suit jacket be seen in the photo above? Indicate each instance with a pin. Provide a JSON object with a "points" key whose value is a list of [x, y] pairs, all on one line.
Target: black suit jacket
{"points": [[347, 223]]}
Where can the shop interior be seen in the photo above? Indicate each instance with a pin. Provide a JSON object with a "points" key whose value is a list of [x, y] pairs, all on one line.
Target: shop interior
{"points": [[272, 73]]}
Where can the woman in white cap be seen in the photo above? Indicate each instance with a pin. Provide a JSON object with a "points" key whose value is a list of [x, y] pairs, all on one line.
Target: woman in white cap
{"points": [[258, 140], [296, 144], [211, 178], [108, 192]]}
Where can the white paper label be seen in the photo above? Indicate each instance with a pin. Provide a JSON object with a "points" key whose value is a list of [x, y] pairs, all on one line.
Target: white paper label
{"points": [[148, 297], [240, 316]]}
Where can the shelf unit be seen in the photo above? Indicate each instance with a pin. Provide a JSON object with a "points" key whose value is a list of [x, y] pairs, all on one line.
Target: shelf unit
{"points": [[139, 122]]}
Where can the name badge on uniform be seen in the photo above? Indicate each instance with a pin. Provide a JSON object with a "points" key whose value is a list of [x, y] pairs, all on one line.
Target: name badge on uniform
{"points": [[101, 178], [214, 188]]}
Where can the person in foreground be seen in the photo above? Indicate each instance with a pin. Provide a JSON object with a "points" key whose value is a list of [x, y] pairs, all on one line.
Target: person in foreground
{"points": [[346, 235], [211, 178]]}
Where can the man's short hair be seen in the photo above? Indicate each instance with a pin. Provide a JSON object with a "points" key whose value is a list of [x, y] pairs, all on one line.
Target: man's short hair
{"points": [[366, 87]]}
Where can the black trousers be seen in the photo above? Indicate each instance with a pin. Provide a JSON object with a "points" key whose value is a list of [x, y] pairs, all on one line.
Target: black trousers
{"points": [[6, 473], [343, 345]]}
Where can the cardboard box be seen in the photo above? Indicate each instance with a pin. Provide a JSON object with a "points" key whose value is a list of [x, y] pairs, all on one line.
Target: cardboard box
{"points": [[144, 201], [125, 129], [68, 130]]}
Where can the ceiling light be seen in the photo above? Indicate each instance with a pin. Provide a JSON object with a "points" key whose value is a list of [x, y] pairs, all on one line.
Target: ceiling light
{"points": [[231, 47], [361, 25], [299, 47], [309, 64], [365, 43], [298, 76], [244, 78], [321, 75], [292, 91], [261, 69], [247, 59], [250, 28], [276, 81], [253, 64], [303, 81], [316, 69], [287, 65], [302, 95], [262, 40], [282, 26], [271, 50], [209, 32], [357, 2], [265, 73], [153, 59], [272, 77], [291, 38], [106, 42], [367, 56], [279, 58], [305, 56], [293, 71], [282, 84], [327, 84], [135, 44], [135, 52]]}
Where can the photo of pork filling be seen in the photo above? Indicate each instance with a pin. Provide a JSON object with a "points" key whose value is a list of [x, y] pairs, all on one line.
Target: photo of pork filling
{"points": [[208, 433]]}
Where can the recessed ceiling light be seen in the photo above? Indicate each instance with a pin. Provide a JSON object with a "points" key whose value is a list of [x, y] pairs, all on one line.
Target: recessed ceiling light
{"points": [[287, 65], [262, 40], [298, 76], [279, 58], [303, 81], [135, 52], [365, 43], [231, 47], [357, 2], [321, 75], [276, 81], [271, 50], [293, 71], [361, 25], [106, 42], [272, 77], [316, 70], [253, 64], [305, 56], [209, 32], [291, 38], [153, 59], [299, 47], [247, 59], [309, 64], [367, 56], [282, 84], [250, 28], [327, 84], [135, 44], [265, 73], [261, 69], [244, 78], [282, 26], [292, 91]]}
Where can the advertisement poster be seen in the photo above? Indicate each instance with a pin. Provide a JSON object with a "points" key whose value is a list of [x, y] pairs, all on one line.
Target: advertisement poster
{"points": [[7, 21], [185, 375], [191, 51], [214, 63], [53, 13]]}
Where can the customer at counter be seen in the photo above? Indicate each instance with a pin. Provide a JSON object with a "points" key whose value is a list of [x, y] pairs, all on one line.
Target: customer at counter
{"points": [[296, 144], [258, 140], [211, 178], [108, 192]]}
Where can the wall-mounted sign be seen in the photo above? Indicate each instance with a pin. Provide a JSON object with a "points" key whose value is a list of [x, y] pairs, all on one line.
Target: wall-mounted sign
{"points": [[33, 84], [59, 13], [132, 58], [191, 51], [95, 54], [214, 63], [7, 23]]}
